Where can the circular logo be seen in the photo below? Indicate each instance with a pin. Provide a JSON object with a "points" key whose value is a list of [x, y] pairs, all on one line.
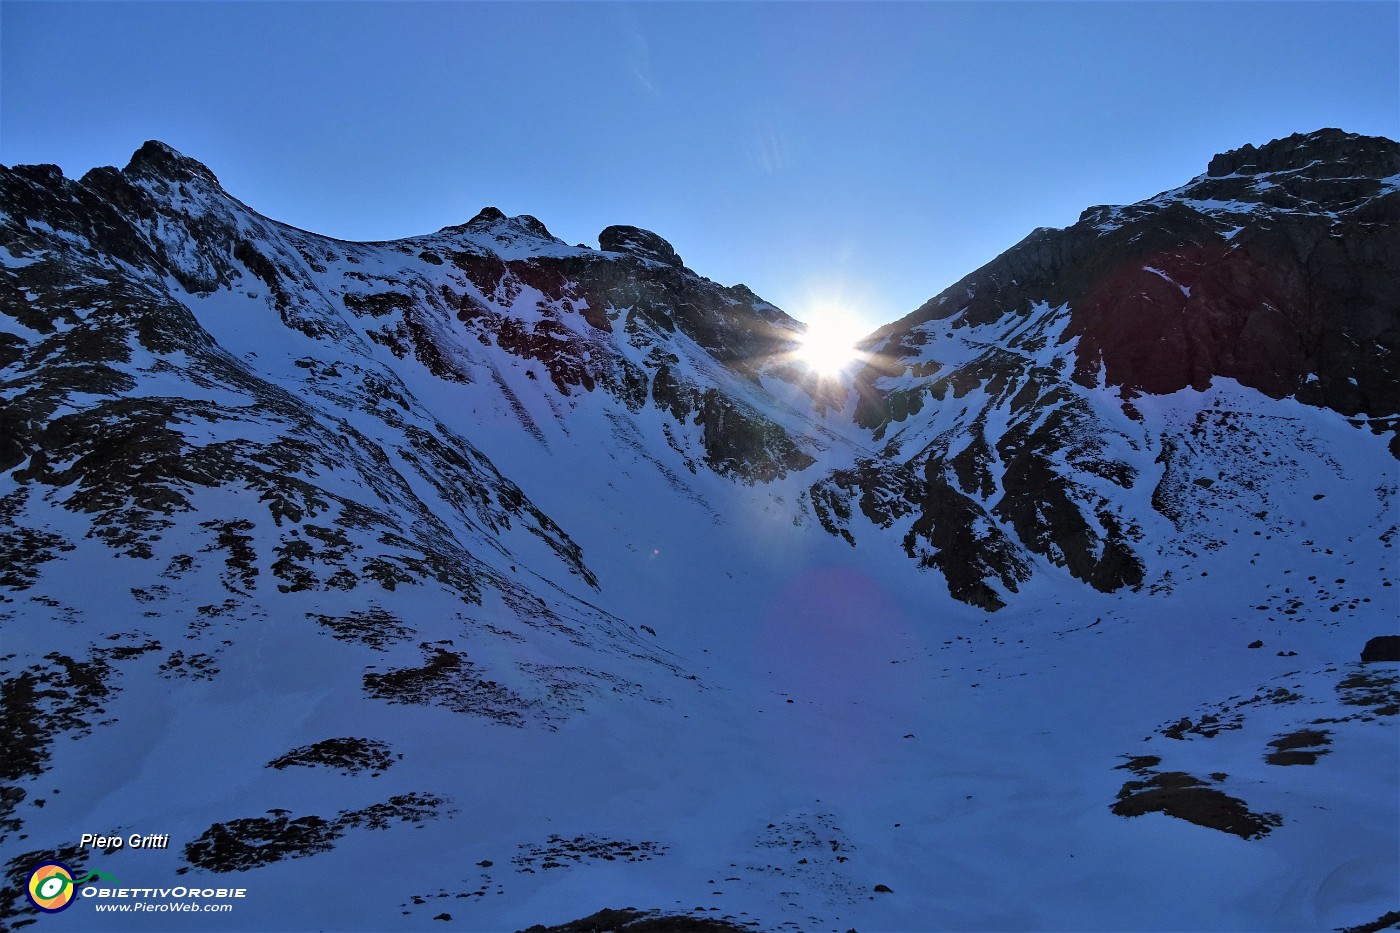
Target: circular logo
{"points": [[51, 887]]}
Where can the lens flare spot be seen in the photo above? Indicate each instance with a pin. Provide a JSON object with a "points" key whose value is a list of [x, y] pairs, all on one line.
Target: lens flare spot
{"points": [[828, 345]]}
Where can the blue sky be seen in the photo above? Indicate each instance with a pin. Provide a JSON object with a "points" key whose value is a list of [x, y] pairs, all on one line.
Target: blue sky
{"points": [[862, 155]]}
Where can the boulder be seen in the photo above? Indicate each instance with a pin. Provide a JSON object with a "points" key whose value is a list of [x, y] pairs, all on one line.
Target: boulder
{"points": [[1381, 648]]}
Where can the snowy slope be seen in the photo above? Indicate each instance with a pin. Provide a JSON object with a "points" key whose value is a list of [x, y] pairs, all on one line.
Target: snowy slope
{"points": [[482, 581]]}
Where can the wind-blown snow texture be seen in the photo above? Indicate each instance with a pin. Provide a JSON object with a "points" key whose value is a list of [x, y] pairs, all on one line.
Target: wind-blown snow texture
{"points": [[483, 579]]}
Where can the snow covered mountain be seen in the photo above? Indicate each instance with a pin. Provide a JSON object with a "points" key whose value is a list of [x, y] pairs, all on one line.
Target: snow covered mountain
{"points": [[484, 580], [1021, 411]]}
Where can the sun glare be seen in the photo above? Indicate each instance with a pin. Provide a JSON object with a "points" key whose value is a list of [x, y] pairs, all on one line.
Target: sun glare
{"points": [[829, 344]]}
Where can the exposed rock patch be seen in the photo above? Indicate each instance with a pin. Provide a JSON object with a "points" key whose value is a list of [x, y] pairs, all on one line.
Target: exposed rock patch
{"points": [[631, 920], [1302, 747], [348, 755], [558, 852], [243, 844], [374, 627], [1190, 798], [239, 845], [449, 680], [44, 701]]}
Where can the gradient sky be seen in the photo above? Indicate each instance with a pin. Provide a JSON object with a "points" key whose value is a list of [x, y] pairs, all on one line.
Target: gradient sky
{"points": [[865, 155]]}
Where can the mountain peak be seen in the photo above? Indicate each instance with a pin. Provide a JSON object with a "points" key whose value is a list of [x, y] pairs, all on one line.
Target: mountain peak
{"points": [[523, 223], [638, 242], [1349, 154], [487, 215], [155, 159]]}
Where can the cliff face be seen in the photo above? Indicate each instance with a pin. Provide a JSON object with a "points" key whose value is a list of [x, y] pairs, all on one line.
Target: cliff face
{"points": [[1280, 268]]}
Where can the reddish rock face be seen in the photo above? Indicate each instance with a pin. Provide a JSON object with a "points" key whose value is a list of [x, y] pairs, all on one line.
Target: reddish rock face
{"points": [[1242, 315], [1307, 306]]}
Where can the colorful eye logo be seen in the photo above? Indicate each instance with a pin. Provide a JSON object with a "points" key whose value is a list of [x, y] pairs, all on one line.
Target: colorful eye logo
{"points": [[51, 887]]}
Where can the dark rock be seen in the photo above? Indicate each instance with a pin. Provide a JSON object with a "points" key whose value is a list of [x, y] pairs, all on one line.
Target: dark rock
{"points": [[631, 920], [534, 226], [638, 242], [448, 679], [1345, 154], [1185, 797], [1387, 921], [1304, 307], [1302, 747], [375, 627], [739, 441], [952, 531], [557, 852], [240, 845], [1307, 757], [157, 160], [1382, 648], [348, 755], [486, 216], [1140, 763], [243, 844]]}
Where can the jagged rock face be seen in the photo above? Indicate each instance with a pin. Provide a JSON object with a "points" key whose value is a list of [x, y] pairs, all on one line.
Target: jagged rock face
{"points": [[639, 242], [594, 322], [630, 322], [1351, 159], [1279, 269], [950, 531]]}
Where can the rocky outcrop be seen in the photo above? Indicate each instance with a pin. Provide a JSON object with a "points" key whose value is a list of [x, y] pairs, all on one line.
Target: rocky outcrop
{"points": [[638, 242], [1347, 156], [1380, 649], [739, 441], [950, 532]]}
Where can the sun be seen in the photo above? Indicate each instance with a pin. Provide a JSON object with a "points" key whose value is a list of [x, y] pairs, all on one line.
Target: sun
{"points": [[828, 345]]}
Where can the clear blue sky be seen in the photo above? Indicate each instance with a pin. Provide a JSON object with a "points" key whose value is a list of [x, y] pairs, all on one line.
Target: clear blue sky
{"points": [[866, 153]]}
